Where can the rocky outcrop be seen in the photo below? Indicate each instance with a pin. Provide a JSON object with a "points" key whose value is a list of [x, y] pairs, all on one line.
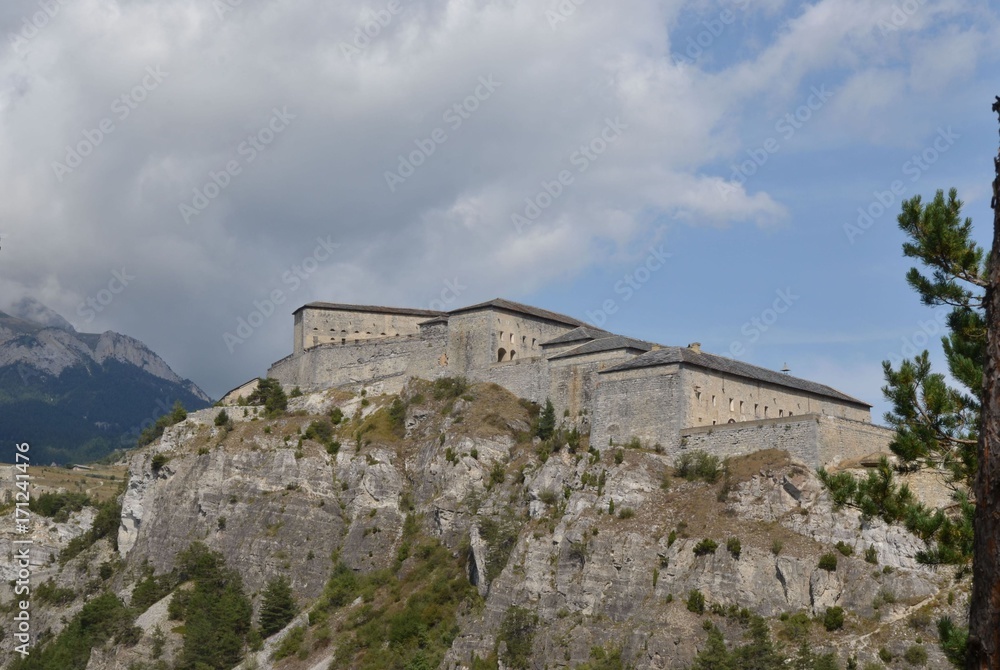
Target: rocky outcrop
{"points": [[606, 547]]}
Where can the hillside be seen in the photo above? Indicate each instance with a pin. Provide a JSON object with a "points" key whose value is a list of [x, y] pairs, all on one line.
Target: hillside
{"points": [[432, 530], [78, 396]]}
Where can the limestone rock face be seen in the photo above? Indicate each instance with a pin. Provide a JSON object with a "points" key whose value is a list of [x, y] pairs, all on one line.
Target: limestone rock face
{"points": [[605, 544]]}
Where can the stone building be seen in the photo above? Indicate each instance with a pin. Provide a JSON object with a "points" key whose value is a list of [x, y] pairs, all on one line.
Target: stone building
{"points": [[618, 387]]}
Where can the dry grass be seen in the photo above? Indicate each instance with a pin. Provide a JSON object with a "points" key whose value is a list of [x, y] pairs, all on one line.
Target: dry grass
{"points": [[101, 483]]}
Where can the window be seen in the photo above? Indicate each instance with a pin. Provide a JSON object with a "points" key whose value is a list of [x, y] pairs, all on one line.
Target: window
{"points": [[512, 354], [765, 411], [741, 407], [781, 413], [713, 401], [501, 353], [732, 406]]}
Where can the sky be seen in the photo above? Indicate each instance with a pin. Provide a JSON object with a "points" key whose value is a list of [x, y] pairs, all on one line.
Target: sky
{"points": [[189, 172]]}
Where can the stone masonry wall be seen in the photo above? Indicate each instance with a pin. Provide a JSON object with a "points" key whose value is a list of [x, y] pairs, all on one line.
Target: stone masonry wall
{"points": [[814, 439], [572, 382], [385, 364], [644, 403], [323, 326]]}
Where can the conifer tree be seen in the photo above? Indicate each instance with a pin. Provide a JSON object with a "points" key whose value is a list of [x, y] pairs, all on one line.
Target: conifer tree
{"points": [[954, 429], [277, 607]]}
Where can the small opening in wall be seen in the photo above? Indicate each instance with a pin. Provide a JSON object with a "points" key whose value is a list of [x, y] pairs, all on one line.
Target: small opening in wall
{"points": [[732, 421], [781, 413], [714, 422], [512, 354], [501, 353], [713, 401], [532, 343], [765, 411], [732, 406], [741, 406], [343, 340]]}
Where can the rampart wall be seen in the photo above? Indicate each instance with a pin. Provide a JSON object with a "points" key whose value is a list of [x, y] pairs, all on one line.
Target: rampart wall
{"points": [[813, 439], [635, 403], [387, 363]]}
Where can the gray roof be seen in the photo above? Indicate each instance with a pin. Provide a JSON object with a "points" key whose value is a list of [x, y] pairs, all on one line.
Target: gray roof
{"points": [[578, 335], [511, 306], [340, 307], [686, 356], [605, 344]]}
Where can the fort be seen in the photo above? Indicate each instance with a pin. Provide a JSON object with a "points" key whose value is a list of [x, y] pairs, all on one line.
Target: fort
{"points": [[616, 388]]}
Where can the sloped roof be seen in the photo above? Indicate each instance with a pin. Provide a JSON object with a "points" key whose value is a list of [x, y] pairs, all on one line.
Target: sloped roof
{"points": [[605, 344], [578, 335], [684, 355], [511, 306], [340, 307]]}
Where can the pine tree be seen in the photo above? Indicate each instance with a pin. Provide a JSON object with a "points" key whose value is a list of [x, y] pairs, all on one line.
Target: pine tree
{"points": [[547, 421], [956, 429], [277, 608]]}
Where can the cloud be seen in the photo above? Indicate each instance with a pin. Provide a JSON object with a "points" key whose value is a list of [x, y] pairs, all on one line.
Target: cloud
{"points": [[356, 107]]}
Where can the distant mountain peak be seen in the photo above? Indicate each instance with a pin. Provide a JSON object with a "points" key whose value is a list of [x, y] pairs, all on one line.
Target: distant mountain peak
{"points": [[30, 309]]}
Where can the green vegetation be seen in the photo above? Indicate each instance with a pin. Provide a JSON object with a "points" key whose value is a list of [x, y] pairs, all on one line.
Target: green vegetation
{"points": [[698, 465], [216, 612], [603, 659], [105, 524], [758, 653], [916, 655], [149, 435], [696, 602], [705, 547], [844, 548], [48, 592], [102, 619], [269, 394], [407, 619], [500, 536], [734, 547], [833, 619], [449, 388], [517, 631], [277, 608], [828, 562], [58, 506], [546, 421]]}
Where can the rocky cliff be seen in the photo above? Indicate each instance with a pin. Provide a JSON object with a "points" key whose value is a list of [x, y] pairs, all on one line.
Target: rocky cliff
{"points": [[598, 554]]}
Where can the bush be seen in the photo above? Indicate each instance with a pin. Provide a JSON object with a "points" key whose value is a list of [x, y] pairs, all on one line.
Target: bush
{"points": [[916, 655], [777, 546], [828, 562], [696, 602], [619, 456], [834, 618], [449, 388], [58, 506], [159, 460], [734, 547], [871, 555], [705, 547], [626, 513], [336, 416], [844, 548], [698, 465], [176, 415], [221, 419]]}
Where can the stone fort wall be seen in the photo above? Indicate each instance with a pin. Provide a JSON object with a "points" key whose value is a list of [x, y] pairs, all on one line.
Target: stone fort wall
{"points": [[814, 439]]}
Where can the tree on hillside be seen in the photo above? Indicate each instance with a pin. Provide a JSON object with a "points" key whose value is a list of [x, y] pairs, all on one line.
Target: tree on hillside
{"points": [[277, 607], [270, 394], [954, 429]]}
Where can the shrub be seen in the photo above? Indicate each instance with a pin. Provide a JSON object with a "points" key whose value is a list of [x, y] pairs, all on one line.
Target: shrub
{"points": [[706, 546], [176, 415], [159, 460], [885, 655], [734, 547], [777, 546], [546, 421], [916, 655], [222, 418], [696, 602], [296, 393], [58, 506], [871, 555], [619, 456], [626, 513], [828, 562], [698, 465], [548, 496], [834, 618], [449, 388], [844, 548], [336, 416], [291, 644]]}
